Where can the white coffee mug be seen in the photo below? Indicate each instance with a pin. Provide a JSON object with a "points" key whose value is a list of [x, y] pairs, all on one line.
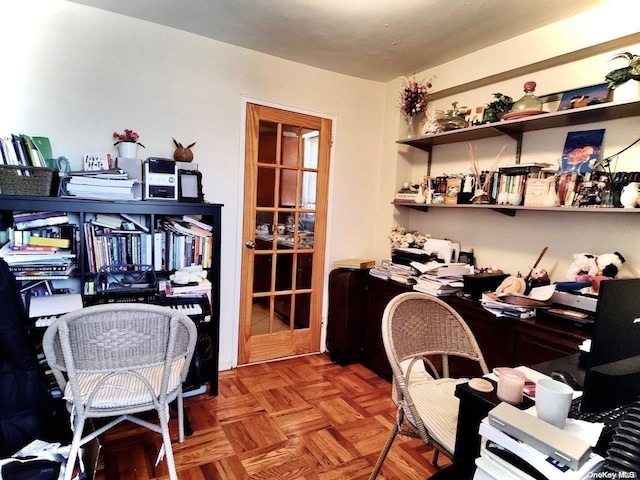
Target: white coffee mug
{"points": [[553, 400]]}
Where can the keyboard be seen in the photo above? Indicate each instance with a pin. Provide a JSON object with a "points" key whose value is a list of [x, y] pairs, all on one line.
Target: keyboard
{"points": [[610, 418]]}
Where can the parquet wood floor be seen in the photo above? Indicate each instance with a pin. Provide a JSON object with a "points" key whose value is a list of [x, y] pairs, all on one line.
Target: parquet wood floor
{"points": [[305, 418]]}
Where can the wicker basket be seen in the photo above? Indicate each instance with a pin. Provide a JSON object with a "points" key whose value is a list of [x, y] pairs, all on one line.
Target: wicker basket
{"points": [[36, 181]]}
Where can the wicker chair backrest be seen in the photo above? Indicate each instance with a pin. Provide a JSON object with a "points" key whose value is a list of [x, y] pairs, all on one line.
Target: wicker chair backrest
{"points": [[419, 324]]}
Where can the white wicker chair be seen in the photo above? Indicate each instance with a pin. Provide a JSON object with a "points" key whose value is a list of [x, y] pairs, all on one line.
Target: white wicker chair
{"points": [[118, 360], [414, 326]]}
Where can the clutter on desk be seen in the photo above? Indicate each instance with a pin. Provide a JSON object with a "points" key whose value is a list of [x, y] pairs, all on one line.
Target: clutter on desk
{"points": [[430, 265], [517, 305]]}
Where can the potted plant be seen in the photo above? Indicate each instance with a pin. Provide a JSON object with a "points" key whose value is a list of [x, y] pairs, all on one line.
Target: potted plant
{"points": [[127, 143], [495, 110], [618, 80], [453, 118]]}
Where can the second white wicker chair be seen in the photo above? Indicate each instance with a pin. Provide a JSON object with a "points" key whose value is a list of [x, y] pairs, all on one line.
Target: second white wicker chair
{"points": [[414, 327], [118, 360]]}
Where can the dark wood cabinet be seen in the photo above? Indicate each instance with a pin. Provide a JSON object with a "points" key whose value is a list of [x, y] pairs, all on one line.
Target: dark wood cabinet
{"points": [[347, 314], [503, 341], [380, 293]]}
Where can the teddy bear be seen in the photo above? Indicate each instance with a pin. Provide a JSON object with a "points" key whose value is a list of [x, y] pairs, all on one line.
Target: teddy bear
{"points": [[609, 264], [583, 268], [586, 267]]}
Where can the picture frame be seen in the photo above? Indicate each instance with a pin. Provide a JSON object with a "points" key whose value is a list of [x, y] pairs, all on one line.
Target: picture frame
{"points": [[581, 150], [97, 161], [585, 96]]}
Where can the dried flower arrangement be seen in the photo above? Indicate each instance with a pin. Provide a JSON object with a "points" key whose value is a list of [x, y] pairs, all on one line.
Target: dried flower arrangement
{"points": [[414, 96], [400, 237], [481, 194]]}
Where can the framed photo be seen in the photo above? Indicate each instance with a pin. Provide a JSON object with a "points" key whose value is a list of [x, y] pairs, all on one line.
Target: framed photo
{"points": [[582, 97], [97, 161], [581, 150]]}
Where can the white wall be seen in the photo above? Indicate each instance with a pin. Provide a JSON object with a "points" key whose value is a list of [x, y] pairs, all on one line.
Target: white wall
{"points": [[77, 74], [513, 243]]}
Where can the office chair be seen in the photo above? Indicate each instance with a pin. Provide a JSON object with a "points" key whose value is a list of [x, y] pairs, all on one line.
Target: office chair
{"points": [[414, 327], [118, 360]]}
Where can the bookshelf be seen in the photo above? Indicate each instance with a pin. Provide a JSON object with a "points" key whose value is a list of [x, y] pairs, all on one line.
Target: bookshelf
{"points": [[81, 213]]}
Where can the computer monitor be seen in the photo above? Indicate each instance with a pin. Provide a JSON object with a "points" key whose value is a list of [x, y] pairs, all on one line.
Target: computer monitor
{"points": [[615, 345]]}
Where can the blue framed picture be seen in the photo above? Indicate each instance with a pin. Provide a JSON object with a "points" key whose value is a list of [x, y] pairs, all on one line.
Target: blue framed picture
{"points": [[583, 97], [581, 150]]}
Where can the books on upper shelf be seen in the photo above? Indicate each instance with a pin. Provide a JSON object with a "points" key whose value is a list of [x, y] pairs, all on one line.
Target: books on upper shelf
{"points": [[355, 263], [512, 180], [20, 150]]}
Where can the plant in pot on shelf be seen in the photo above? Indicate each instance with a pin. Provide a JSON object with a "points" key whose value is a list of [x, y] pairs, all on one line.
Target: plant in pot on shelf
{"points": [[494, 110], [413, 101], [453, 118], [127, 143], [625, 81]]}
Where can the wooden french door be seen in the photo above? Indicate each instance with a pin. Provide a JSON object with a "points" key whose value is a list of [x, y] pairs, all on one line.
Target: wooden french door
{"points": [[284, 229]]}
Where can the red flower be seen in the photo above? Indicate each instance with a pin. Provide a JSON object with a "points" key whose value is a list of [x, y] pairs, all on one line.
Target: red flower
{"points": [[128, 136]]}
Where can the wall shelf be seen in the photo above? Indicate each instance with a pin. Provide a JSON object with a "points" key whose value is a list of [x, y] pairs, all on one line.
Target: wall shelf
{"points": [[511, 210], [515, 128]]}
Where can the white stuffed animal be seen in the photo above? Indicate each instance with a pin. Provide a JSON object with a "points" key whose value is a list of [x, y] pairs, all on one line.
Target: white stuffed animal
{"points": [[583, 268]]}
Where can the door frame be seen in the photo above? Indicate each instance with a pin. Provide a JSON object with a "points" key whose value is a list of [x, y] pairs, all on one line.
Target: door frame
{"points": [[239, 239]]}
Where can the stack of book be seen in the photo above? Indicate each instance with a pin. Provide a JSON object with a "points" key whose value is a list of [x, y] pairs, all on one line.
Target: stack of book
{"points": [[505, 457], [49, 263], [101, 185], [438, 286], [41, 245]]}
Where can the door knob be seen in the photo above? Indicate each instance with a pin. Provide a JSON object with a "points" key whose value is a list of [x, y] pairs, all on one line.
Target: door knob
{"points": [[250, 244]]}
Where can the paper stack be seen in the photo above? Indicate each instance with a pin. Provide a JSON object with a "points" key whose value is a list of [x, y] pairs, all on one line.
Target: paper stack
{"points": [[396, 272], [517, 305], [100, 185]]}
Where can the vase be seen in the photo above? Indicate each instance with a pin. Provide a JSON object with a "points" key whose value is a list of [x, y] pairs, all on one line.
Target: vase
{"points": [[128, 150], [551, 198], [490, 116], [629, 195], [420, 196], [627, 91], [411, 126]]}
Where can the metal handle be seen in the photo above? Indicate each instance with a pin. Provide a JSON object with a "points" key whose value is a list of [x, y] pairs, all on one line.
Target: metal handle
{"points": [[250, 244]]}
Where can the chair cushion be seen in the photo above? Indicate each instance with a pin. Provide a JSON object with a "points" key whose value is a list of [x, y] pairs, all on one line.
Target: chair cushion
{"points": [[125, 390], [437, 406]]}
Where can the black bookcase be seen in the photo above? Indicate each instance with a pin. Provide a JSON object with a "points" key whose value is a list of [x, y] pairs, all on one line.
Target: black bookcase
{"points": [[84, 209]]}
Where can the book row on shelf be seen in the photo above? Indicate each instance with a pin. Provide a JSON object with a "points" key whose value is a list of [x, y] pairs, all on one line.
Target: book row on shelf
{"points": [[46, 245], [532, 185], [21, 150]]}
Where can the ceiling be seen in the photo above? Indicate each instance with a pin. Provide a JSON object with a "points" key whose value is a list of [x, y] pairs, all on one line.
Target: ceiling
{"points": [[373, 39]]}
